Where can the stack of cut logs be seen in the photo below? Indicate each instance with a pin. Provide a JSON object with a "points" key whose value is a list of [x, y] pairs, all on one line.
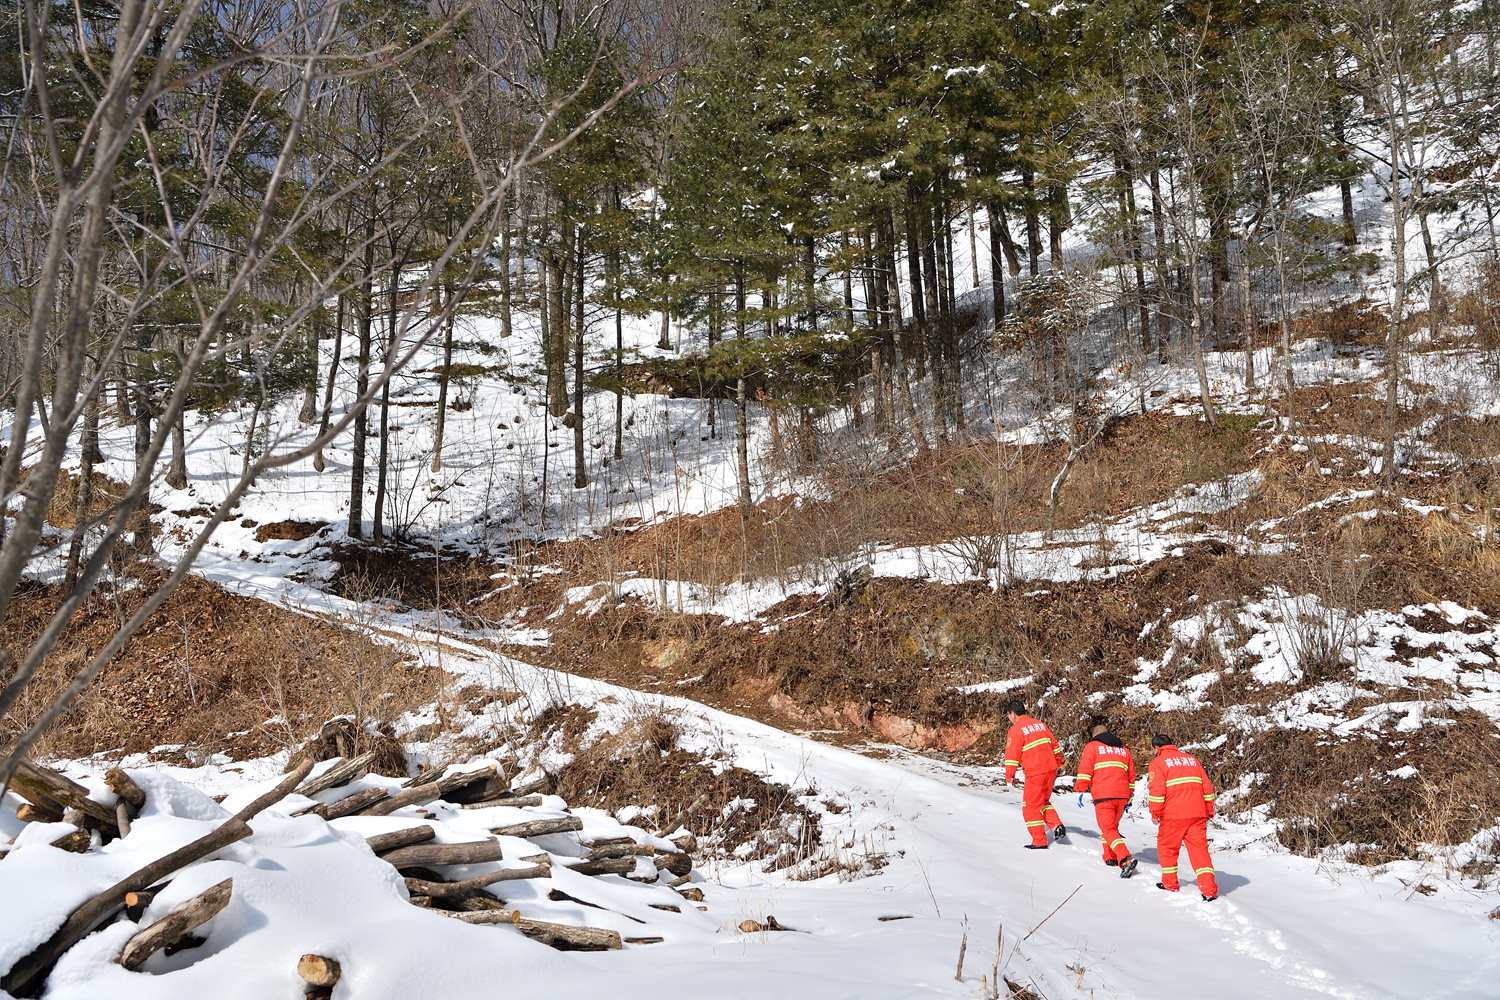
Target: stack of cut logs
{"points": [[52, 797]]}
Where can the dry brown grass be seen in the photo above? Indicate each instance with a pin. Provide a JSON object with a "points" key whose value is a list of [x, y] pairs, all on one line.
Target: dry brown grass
{"points": [[640, 764], [209, 671]]}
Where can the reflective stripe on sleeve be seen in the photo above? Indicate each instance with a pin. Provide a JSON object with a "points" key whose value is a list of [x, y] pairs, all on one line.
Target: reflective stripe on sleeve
{"points": [[1183, 781], [1036, 743]]}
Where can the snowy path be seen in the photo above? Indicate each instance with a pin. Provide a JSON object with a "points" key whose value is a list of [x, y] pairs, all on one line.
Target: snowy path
{"points": [[1282, 928]]}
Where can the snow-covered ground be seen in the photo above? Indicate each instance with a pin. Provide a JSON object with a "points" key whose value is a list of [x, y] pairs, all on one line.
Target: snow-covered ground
{"points": [[949, 839]]}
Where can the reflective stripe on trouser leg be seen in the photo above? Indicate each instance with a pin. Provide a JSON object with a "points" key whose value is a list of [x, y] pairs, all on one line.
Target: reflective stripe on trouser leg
{"points": [[1108, 814], [1195, 839], [1168, 844], [1036, 803]]}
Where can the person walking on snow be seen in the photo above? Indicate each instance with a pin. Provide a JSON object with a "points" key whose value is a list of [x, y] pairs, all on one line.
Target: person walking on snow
{"points": [[1031, 746], [1107, 770], [1182, 802]]}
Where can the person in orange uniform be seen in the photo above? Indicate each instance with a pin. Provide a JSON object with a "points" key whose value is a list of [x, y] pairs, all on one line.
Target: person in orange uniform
{"points": [[1031, 746], [1107, 770], [1182, 801]]}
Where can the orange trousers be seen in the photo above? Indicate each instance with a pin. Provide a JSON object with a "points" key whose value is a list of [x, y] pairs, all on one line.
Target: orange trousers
{"points": [[1174, 834], [1108, 814], [1036, 806]]}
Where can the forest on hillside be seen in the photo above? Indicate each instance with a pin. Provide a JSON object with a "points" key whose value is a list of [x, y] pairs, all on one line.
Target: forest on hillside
{"points": [[228, 206]]}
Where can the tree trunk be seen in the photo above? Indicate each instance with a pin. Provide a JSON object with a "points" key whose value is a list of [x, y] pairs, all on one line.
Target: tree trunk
{"points": [[309, 411], [741, 418], [1033, 224], [333, 368], [580, 463], [443, 380], [505, 289], [1163, 304], [378, 534], [362, 386], [997, 275]]}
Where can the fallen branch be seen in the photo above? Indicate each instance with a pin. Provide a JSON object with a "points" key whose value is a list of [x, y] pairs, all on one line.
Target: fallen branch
{"points": [[339, 774], [275, 795], [77, 842], [406, 797], [579, 938], [469, 886], [170, 929], [538, 827], [606, 866], [400, 838], [1049, 916], [125, 787], [438, 855], [346, 805], [31, 812], [27, 975], [513, 801], [43, 787], [684, 816]]}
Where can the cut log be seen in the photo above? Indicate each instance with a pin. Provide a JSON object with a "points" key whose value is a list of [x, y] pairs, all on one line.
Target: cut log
{"points": [[317, 970], [43, 786], [684, 816], [341, 773], [477, 903], [346, 805], [681, 880], [136, 903], [400, 838], [122, 817], [76, 817], [406, 797], [445, 890], [645, 940], [606, 866], [27, 976], [170, 929], [687, 843], [425, 902], [30, 812], [538, 827], [472, 786], [665, 906], [453, 781], [604, 842], [696, 895], [621, 847], [125, 787], [514, 801], [438, 855], [531, 786], [676, 863], [77, 842], [557, 935], [282, 790]]}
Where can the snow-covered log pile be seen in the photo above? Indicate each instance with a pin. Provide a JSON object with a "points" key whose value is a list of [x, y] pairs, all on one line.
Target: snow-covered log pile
{"points": [[151, 875]]}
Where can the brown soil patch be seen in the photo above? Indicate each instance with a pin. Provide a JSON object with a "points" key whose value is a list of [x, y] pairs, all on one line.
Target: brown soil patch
{"points": [[209, 670]]}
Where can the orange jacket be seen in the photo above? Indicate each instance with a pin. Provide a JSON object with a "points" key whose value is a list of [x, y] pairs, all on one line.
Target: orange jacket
{"points": [[1031, 746], [1106, 769], [1179, 786]]}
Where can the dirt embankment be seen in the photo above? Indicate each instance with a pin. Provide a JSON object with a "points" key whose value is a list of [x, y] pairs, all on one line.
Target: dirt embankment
{"points": [[211, 671]]}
